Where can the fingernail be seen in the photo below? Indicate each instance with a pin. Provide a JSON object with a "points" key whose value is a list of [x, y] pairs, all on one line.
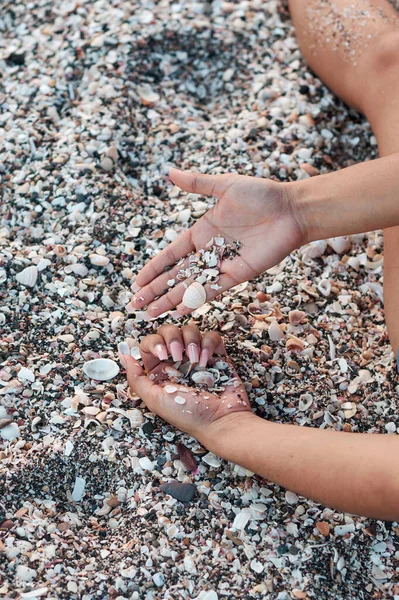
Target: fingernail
{"points": [[204, 357], [161, 352], [135, 288], [193, 353], [177, 351], [129, 308], [122, 359], [123, 348]]}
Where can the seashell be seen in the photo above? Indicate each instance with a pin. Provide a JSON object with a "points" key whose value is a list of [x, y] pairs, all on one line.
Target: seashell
{"points": [[43, 264], [340, 244], [305, 402], [242, 519], [170, 389], [78, 489], [187, 457], [28, 276], [296, 317], [25, 374], [203, 378], [91, 410], [135, 352], [275, 333], [146, 464], [60, 250], [147, 96], [242, 472], [260, 311], [134, 415], [101, 369], [194, 296], [78, 269], [315, 249], [212, 460], [180, 400], [10, 431], [98, 260], [219, 241], [324, 287], [323, 527], [295, 344]]}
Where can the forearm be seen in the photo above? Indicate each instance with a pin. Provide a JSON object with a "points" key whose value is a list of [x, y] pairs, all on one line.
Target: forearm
{"points": [[361, 198], [352, 472]]}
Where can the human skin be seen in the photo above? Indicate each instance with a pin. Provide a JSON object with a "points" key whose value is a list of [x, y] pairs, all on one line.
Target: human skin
{"points": [[352, 472], [357, 199]]}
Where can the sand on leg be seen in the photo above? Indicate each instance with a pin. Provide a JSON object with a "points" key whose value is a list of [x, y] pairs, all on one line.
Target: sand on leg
{"points": [[354, 48]]}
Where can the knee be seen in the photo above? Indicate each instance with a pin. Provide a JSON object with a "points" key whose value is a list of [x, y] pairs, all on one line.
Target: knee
{"points": [[384, 53]]}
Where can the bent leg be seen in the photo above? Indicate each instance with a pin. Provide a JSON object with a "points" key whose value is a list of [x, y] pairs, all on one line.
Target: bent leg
{"points": [[354, 48]]}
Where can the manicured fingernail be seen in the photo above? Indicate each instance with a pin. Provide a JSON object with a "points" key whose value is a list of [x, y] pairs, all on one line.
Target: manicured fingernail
{"points": [[193, 353], [123, 348], [204, 357], [135, 288], [122, 359], [171, 371], [129, 308], [161, 352], [177, 351]]}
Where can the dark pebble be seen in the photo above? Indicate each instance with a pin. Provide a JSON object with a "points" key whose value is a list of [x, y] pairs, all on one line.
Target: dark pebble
{"points": [[181, 491], [293, 550], [16, 58], [148, 428], [304, 89], [283, 549]]}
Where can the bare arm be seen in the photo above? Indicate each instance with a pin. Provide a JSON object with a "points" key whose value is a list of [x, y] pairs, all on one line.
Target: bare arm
{"points": [[352, 472]]}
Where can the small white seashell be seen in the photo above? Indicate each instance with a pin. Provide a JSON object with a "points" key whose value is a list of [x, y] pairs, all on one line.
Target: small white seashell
{"points": [[256, 566], [275, 333], [9, 432], [135, 352], [78, 269], [189, 564], [25, 374], [291, 497], [43, 264], [241, 472], [146, 464], [219, 241], [79, 489], [343, 529], [203, 378], [314, 249], [170, 389], [98, 260], [194, 296], [242, 519], [101, 369], [305, 402], [212, 460], [340, 244], [170, 282], [180, 400], [28, 276], [324, 287], [68, 448]]}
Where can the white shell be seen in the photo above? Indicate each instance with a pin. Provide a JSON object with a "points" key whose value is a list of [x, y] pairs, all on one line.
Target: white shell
{"points": [[212, 460], [242, 519], [146, 464], [28, 276], [194, 296], [79, 489], [314, 249], [305, 402], [101, 369], [43, 264], [203, 378], [275, 333], [340, 244], [180, 400], [9, 432], [135, 352], [77, 269], [324, 287], [98, 260], [170, 389], [25, 374], [242, 472]]}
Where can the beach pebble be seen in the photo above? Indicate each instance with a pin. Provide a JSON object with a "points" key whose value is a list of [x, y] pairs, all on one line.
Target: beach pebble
{"points": [[181, 491]]}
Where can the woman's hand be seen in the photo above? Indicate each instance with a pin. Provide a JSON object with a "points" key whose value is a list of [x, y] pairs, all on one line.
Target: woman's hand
{"points": [[260, 214], [203, 413]]}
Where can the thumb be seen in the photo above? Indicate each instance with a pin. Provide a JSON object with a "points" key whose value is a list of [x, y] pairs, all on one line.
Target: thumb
{"points": [[138, 381], [197, 183]]}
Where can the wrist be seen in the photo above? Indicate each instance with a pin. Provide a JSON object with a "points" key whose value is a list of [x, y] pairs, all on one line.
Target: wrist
{"points": [[223, 436], [303, 199]]}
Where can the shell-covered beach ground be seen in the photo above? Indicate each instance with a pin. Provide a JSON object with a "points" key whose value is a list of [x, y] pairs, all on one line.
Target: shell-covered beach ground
{"points": [[97, 100]]}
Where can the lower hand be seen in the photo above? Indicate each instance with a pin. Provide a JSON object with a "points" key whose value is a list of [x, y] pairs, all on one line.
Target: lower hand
{"points": [[204, 413]]}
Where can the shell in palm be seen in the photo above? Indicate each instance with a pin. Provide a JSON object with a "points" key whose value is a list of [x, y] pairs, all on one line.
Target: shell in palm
{"points": [[194, 296]]}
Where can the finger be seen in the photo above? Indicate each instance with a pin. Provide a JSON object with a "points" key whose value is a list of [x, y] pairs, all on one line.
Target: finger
{"points": [[225, 282], [157, 287], [138, 381], [211, 344], [153, 350], [192, 342], [170, 255], [197, 183], [174, 341]]}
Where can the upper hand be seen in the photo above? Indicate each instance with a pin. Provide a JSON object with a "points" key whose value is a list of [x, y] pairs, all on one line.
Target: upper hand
{"points": [[259, 213]]}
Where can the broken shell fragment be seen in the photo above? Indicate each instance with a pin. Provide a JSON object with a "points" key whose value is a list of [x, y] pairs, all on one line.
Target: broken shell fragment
{"points": [[101, 369], [194, 296], [203, 378], [180, 400], [275, 333], [315, 249], [98, 260], [28, 276], [340, 244]]}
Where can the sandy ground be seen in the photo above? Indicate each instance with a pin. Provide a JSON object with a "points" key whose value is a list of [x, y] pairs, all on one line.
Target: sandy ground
{"points": [[98, 99]]}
